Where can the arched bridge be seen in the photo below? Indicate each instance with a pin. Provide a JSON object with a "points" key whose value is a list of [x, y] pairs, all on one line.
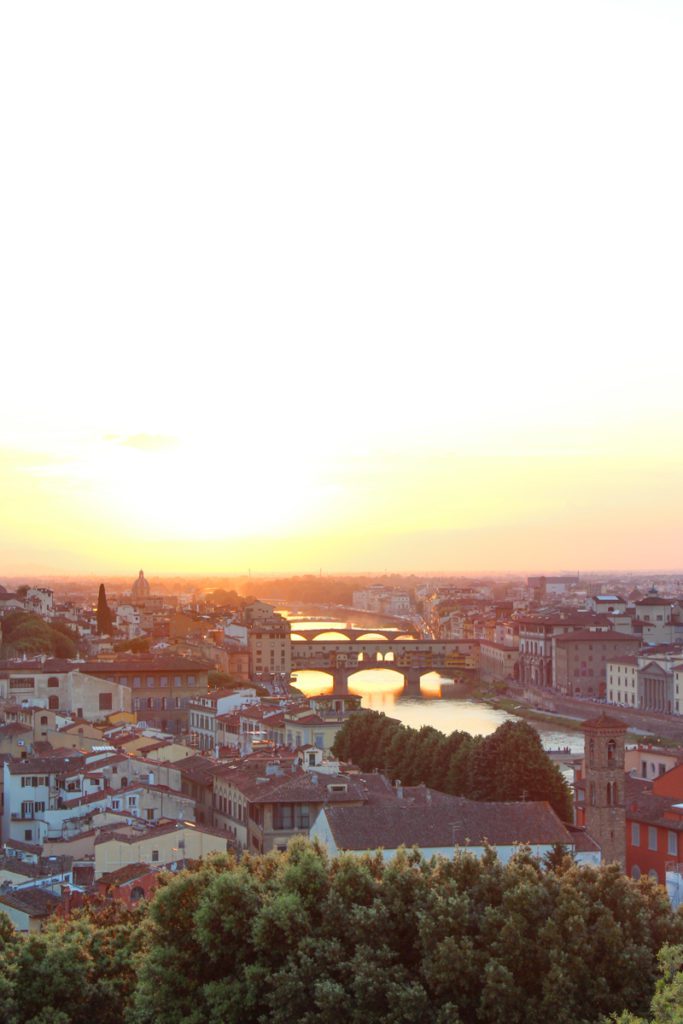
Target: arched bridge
{"points": [[412, 658], [349, 633]]}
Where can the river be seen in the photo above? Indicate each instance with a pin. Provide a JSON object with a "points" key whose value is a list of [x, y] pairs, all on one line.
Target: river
{"points": [[438, 705]]}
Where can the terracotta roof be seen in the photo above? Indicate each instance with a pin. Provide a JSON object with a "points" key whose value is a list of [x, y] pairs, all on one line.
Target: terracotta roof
{"points": [[36, 902], [14, 728], [73, 762], [610, 635], [197, 768], [127, 873], [446, 821], [138, 835], [645, 806], [18, 844], [604, 721], [292, 786]]}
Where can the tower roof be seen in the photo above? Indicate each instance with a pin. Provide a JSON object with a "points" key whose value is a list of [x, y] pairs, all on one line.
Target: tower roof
{"points": [[603, 721]]}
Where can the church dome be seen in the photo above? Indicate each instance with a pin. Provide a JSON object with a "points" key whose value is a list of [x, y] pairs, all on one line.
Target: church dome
{"points": [[140, 588]]}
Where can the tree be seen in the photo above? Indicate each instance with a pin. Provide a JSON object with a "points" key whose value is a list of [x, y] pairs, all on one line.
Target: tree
{"points": [[511, 764], [105, 625], [355, 940], [667, 1002]]}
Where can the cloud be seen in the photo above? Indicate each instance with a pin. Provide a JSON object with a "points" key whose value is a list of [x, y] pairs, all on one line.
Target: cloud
{"points": [[146, 442]]}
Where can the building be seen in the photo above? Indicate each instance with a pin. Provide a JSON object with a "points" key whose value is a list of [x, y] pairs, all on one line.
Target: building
{"points": [[140, 590], [651, 680], [263, 805], [438, 823], [655, 830], [161, 686], [76, 688], [169, 844], [602, 808], [498, 662], [536, 635], [204, 711], [270, 648], [581, 657], [41, 601]]}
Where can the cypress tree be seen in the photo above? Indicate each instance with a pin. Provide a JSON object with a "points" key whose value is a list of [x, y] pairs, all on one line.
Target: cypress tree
{"points": [[104, 619]]}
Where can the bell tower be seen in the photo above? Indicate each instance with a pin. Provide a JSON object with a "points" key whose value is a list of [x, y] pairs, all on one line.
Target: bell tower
{"points": [[605, 778]]}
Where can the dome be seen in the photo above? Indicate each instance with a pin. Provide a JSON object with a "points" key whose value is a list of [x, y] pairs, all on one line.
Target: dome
{"points": [[140, 588]]}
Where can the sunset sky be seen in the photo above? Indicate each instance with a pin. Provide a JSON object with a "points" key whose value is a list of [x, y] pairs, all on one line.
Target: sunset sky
{"points": [[363, 286]]}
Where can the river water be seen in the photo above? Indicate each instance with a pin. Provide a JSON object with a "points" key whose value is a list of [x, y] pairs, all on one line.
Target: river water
{"points": [[438, 705]]}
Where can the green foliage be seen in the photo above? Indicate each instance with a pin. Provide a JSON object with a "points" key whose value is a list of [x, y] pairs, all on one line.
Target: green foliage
{"points": [[508, 765], [667, 1002], [223, 681], [299, 937], [139, 645], [27, 633], [76, 970]]}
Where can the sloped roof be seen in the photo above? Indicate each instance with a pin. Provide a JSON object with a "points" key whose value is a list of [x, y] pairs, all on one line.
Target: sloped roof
{"points": [[604, 721], [445, 822]]}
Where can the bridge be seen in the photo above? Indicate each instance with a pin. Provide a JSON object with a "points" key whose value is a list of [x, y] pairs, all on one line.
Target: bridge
{"points": [[341, 659], [352, 633]]}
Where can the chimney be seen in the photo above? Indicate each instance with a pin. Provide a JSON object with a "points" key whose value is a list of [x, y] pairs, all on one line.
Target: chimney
{"points": [[399, 789]]}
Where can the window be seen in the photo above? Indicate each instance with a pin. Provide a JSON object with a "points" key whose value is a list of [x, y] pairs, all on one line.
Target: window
{"points": [[661, 768], [53, 681], [652, 838], [28, 835], [635, 872], [191, 681], [116, 805], [612, 749], [123, 680], [39, 807], [22, 683], [53, 703], [653, 875], [163, 681], [43, 719], [137, 893], [132, 801], [155, 855], [105, 702], [150, 682], [283, 816], [177, 680], [635, 833], [137, 682], [150, 814], [672, 843]]}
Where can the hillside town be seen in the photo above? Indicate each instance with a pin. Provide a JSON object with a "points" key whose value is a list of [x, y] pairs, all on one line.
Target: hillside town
{"points": [[173, 731]]}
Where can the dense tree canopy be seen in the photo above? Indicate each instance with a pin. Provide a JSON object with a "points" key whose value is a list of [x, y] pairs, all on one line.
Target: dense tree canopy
{"points": [[667, 1002], [508, 765], [27, 633], [296, 937]]}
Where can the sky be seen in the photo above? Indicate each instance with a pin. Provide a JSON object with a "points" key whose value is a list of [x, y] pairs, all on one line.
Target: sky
{"points": [[343, 287]]}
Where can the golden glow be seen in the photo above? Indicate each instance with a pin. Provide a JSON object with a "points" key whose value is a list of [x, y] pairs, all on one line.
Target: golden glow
{"points": [[378, 345]]}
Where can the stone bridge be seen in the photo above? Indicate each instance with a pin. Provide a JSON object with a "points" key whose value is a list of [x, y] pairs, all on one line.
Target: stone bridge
{"points": [[350, 633], [412, 658]]}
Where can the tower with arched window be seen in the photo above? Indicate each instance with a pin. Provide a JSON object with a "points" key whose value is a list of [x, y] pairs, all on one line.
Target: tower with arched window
{"points": [[605, 778]]}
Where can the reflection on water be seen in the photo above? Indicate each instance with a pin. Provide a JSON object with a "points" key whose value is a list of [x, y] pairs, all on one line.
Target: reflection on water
{"points": [[381, 690]]}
